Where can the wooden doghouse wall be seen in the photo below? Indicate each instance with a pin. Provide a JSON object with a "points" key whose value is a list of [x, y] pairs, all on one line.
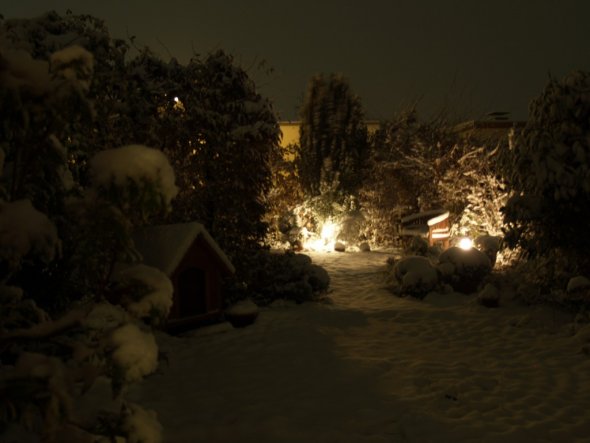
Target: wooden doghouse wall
{"points": [[200, 255]]}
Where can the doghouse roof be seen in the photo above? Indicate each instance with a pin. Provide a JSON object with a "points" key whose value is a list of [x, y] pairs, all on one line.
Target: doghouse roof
{"points": [[164, 246], [426, 215]]}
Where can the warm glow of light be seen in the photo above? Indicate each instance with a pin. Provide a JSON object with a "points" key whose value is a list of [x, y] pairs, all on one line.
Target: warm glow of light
{"points": [[466, 243], [325, 241], [176, 99], [328, 230]]}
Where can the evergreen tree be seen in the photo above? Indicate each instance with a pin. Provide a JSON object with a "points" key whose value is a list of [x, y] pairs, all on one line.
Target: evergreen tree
{"points": [[333, 137], [547, 170]]}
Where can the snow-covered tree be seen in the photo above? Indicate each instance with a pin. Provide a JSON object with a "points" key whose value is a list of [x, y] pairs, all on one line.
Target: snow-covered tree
{"points": [[547, 171], [472, 190], [403, 172]]}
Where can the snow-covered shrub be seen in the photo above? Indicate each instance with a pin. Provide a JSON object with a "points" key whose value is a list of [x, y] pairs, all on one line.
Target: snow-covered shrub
{"points": [[74, 64], [547, 170], [146, 292], [578, 283], [489, 296], [415, 276], [464, 269], [577, 293], [318, 278], [135, 352], [52, 239], [471, 190], [243, 313], [25, 231], [318, 223], [286, 276], [542, 279], [141, 425], [416, 246], [134, 176]]}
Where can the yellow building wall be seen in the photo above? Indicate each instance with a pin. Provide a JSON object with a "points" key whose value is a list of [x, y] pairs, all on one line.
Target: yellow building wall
{"points": [[290, 131]]}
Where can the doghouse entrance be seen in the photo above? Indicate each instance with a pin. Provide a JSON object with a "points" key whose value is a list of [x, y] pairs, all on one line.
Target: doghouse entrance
{"points": [[192, 292]]}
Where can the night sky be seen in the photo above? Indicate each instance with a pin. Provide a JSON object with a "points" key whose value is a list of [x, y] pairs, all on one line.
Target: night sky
{"points": [[471, 57]]}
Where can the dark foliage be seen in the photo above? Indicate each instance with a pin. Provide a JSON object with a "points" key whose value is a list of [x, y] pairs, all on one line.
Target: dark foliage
{"points": [[281, 276], [547, 171], [333, 137]]}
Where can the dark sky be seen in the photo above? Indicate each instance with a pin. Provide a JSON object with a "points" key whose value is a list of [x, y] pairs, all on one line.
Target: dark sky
{"points": [[472, 56]]}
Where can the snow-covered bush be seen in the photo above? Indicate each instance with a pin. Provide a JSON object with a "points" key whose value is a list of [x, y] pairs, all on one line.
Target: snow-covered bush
{"points": [[134, 177], [24, 231], [464, 269], [471, 189], [287, 276], [146, 292], [57, 248], [318, 278], [135, 352], [242, 314], [489, 296], [416, 246], [141, 425], [415, 276], [547, 170], [320, 222], [73, 64]]}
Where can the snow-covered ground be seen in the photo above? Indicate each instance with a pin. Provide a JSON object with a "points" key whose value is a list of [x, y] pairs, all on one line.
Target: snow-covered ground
{"points": [[372, 367]]}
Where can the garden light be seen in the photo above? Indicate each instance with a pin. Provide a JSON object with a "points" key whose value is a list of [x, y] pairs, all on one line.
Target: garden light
{"points": [[466, 243]]}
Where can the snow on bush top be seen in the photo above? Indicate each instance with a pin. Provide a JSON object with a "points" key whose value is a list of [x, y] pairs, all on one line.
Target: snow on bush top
{"points": [[135, 352], [416, 275], [74, 63], [24, 231], [138, 163], [578, 283], [243, 307], [159, 295], [105, 316], [142, 426]]}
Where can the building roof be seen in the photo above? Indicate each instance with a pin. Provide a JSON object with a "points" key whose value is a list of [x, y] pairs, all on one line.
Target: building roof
{"points": [[164, 246], [471, 125]]}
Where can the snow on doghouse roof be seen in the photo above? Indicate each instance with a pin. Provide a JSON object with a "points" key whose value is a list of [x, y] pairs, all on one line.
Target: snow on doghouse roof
{"points": [[426, 214], [164, 246], [438, 219]]}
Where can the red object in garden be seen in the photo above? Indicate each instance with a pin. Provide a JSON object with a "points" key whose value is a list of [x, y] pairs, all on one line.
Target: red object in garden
{"points": [[195, 264]]}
